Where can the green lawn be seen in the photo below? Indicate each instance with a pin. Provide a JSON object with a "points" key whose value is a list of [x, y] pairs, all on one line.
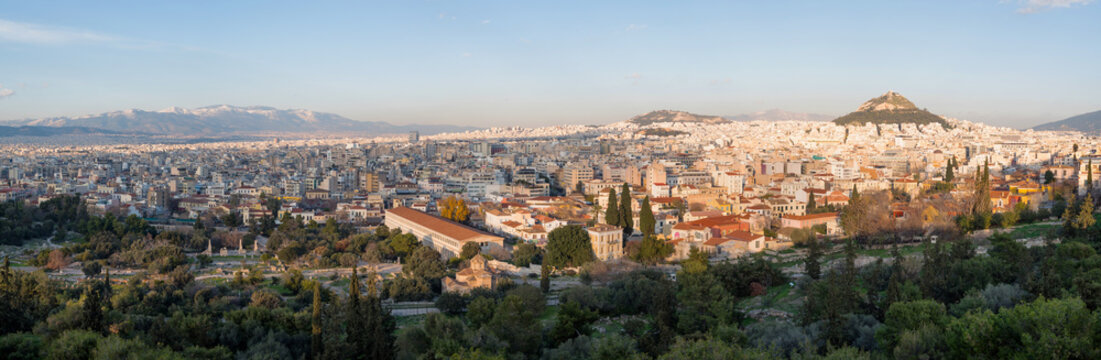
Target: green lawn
{"points": [[412, 320], [1032, 230], [549, 313]]}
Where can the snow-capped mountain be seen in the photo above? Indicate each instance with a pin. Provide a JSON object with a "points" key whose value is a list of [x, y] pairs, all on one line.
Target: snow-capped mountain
{"points": [[226, 119]]}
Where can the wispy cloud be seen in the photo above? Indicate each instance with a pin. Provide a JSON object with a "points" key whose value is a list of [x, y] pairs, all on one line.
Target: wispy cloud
{"points": [[634, 76], [635, 27], [4, 92], [11, 31], [38, 34], [485, 22], [1035, 6]]}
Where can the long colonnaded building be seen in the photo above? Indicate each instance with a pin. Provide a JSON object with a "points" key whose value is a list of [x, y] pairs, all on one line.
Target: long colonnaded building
{"points": [[445, 236]]}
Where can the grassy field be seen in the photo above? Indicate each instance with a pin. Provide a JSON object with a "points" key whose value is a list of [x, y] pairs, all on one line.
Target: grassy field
{"points": [[1033, 230], [412, 320]]}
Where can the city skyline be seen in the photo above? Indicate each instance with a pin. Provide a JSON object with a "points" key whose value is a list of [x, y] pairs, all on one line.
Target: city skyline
{"points": [[1004, 63]]}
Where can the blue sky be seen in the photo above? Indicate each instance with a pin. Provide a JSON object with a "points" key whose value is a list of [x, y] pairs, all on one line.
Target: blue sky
{"points": [[489, 63]]}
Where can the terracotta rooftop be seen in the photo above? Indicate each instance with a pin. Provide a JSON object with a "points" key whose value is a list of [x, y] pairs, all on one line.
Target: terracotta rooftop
{"points": [[440, 225]]}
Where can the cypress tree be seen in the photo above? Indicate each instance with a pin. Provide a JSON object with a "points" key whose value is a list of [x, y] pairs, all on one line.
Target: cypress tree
{"points": [[626, 212], [611, 214], [544, 280], [853, 195], [848, 274], [315, 322], [813, 265], [811, 204], [894, 285], [356, 326], [646, 220], [92, 312], [948, 172], [379, 326], [1089, 176]]}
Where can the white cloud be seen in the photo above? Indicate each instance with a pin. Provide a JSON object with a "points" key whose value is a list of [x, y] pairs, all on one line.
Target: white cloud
{"points": [[485, 22], [1034, 6], [466, 54], [635, 27], [11, 31], [5, 92]]}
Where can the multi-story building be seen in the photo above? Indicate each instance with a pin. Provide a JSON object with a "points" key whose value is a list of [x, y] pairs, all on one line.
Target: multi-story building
{"points": [[607, 241]]}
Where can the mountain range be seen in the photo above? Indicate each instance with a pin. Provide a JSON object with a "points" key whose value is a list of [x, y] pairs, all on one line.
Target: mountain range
{"points": [[890, 108], [1087, 123], [230, 120], [44, 131], [674, 116]]}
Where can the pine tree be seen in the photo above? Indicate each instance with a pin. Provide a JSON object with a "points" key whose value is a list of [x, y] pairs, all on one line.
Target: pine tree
{"points": [[813, 265], [646, 220], [1068, 217], [315, 322], [1085, 217], [626, 212], [611, 214]]}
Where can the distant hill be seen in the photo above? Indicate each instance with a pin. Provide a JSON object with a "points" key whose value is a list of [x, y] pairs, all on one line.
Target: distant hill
{"points": [[890, 108], [1088, 123], [779, 115], [43, 131], [226, 119], [673, 116]]}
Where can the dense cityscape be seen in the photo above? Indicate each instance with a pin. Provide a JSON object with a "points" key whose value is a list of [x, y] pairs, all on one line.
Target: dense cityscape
{"points": [[569, 180]]}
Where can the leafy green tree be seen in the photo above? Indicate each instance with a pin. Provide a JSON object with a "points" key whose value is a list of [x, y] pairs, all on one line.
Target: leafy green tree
{"points": [[1043, 329], [910, 315], [403, 244], [572, 320], [515, 323], [646, 220], [22, 346], [451, 303], [470, 250], [1049, 177], [481, 310], [568, 246], [527, 253], [652, 250]]}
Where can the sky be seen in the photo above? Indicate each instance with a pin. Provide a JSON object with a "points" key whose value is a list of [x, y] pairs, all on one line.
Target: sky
{"points": [[1012, 63]]}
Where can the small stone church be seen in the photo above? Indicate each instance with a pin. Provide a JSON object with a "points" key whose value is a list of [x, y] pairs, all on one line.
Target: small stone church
{"points": [[476, 275]]}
